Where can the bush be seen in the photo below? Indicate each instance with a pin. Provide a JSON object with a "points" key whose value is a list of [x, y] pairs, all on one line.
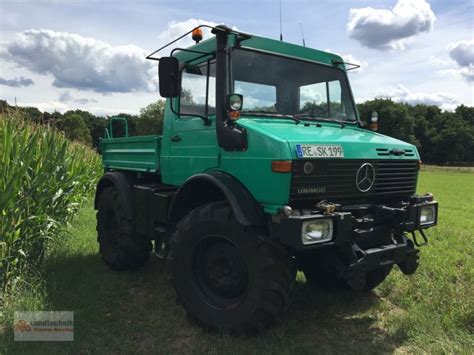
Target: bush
{"points": [[44, 178]]}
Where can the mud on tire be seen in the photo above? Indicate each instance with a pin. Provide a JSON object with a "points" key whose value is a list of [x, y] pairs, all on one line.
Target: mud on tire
{"points": [[121, 248], [229, 277]]}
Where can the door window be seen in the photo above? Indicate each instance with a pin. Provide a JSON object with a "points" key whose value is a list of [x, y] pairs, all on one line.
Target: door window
{"points": [[198, 88]]}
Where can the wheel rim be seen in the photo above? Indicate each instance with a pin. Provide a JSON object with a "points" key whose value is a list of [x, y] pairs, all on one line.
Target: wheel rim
{"points": [[220, 271]]}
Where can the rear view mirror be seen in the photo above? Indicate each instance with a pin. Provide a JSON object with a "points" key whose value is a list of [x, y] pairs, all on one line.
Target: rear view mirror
{"points": [[234, 102], [168, 75]]}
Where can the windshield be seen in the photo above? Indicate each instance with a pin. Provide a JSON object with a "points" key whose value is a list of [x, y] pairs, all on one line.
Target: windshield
{"points": [[274, 84]]}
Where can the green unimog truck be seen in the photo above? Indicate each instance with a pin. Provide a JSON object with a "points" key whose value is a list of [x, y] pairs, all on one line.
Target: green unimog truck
{"points": [[263, 168]]}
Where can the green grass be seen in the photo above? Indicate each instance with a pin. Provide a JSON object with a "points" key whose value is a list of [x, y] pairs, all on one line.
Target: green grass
{"points": [[429, 312]]}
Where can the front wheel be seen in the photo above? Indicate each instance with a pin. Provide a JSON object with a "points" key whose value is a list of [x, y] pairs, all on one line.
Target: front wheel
{"points": [[227, 276]]}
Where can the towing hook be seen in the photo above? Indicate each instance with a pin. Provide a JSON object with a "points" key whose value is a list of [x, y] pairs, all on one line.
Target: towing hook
{"points": [[425, 240]]}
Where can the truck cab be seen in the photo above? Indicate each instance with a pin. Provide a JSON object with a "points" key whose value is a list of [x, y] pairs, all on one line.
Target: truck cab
{"points": [[263, 168]]}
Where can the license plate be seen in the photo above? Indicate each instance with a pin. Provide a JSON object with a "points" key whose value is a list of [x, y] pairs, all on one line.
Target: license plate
{"points": [[319, 151]]}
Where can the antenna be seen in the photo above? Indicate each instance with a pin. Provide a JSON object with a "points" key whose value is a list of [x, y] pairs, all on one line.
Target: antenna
{"points": [[302, 34], [281, 31]]}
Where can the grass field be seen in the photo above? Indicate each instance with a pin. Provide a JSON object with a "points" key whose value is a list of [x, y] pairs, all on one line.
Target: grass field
{"points": [[431, 311]]}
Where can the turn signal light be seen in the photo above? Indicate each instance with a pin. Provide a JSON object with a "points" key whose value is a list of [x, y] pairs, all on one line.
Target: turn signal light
{"points": [[281, 166], [233, 115], [197, 35], [373, 126]]}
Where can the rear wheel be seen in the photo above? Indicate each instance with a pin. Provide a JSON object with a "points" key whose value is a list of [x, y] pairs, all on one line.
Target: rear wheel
{"points": [[227, 276], [121, 248]]}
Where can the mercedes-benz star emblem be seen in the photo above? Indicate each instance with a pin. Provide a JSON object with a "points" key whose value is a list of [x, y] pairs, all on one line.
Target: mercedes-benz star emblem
{"points": [[365, 177]]}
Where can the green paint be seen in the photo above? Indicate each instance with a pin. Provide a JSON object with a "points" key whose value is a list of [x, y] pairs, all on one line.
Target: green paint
{"points": [[268, 139]]}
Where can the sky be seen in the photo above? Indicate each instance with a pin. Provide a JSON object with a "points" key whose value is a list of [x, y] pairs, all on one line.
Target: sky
{"points": [[65, 54]]}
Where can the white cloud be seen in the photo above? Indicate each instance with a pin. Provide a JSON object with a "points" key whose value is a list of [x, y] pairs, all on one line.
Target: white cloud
{"points": [[82, 63], [389, 29], [403, 94], [48, 106], [462, 53], [67, 97], [105, 111], [16, 82], [440, 62], [468, 73]]}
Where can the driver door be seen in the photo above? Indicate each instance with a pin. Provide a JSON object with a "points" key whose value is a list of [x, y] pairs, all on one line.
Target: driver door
{"points": [[193, 146]]}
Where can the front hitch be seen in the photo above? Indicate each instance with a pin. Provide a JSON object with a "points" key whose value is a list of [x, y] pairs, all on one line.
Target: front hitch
{"points": [[403, 253], [419, 213]]}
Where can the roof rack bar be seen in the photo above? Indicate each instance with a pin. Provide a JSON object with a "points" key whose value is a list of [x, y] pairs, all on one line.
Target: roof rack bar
{"points": [[354, 66], [150, 56]]}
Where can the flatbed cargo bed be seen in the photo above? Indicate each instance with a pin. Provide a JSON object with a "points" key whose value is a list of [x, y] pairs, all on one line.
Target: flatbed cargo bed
{"points": [[138, 153]]}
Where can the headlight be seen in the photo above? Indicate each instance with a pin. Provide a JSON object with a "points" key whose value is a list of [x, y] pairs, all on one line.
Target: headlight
{"points": [[427, 215], [317, 231]]}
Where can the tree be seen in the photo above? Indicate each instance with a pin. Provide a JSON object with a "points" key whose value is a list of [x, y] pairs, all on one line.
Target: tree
{"points": [[466, 113], [32, 113], [441, 137], [425, 118], [119, 127], [150, 120], [395, 119], [76, 129], [3, 105], [454, 142], [95, 124]]}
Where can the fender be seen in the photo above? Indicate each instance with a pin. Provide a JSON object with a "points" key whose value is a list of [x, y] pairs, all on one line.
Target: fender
{"points": [[123, 186], [214, 186]]}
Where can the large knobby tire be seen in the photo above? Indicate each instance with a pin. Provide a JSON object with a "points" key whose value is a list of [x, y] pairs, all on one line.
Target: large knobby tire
{"points": [[320, 275], [229, 277], [121, 248]]}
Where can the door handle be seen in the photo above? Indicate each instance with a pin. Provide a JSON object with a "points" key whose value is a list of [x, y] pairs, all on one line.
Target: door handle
{"points": [[175, 138]]}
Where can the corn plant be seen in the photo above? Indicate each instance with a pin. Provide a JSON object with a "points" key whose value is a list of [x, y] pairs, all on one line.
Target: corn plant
{"points": [[44, 178]]}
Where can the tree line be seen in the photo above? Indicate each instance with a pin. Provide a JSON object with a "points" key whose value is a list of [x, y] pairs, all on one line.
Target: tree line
{"points": [[442, 137]]}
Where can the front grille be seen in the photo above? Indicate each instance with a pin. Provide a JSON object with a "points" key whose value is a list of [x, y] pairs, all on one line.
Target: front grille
{"points": [[335, 180]]}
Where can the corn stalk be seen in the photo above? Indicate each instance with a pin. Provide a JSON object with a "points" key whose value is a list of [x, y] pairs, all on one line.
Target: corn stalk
{"points": [[44, 178]]}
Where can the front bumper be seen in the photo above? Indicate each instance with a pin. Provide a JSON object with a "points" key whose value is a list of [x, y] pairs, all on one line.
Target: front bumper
{"points": [[375, 241], [400, 219]]}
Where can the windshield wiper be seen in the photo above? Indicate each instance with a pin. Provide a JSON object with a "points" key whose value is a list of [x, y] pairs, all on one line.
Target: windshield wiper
{"points": [[319, 118], [270, 114]]}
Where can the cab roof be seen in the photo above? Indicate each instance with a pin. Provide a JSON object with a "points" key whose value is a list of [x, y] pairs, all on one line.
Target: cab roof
{"points": [[266, 45]]}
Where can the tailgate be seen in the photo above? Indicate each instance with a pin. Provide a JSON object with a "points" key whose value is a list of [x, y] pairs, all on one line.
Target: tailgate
{"points": [[139, 153]]}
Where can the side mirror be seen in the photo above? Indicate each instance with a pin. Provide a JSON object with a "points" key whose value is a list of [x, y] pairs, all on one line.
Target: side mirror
{"points": [[168, 75], [373, 126], [234, 102]]}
